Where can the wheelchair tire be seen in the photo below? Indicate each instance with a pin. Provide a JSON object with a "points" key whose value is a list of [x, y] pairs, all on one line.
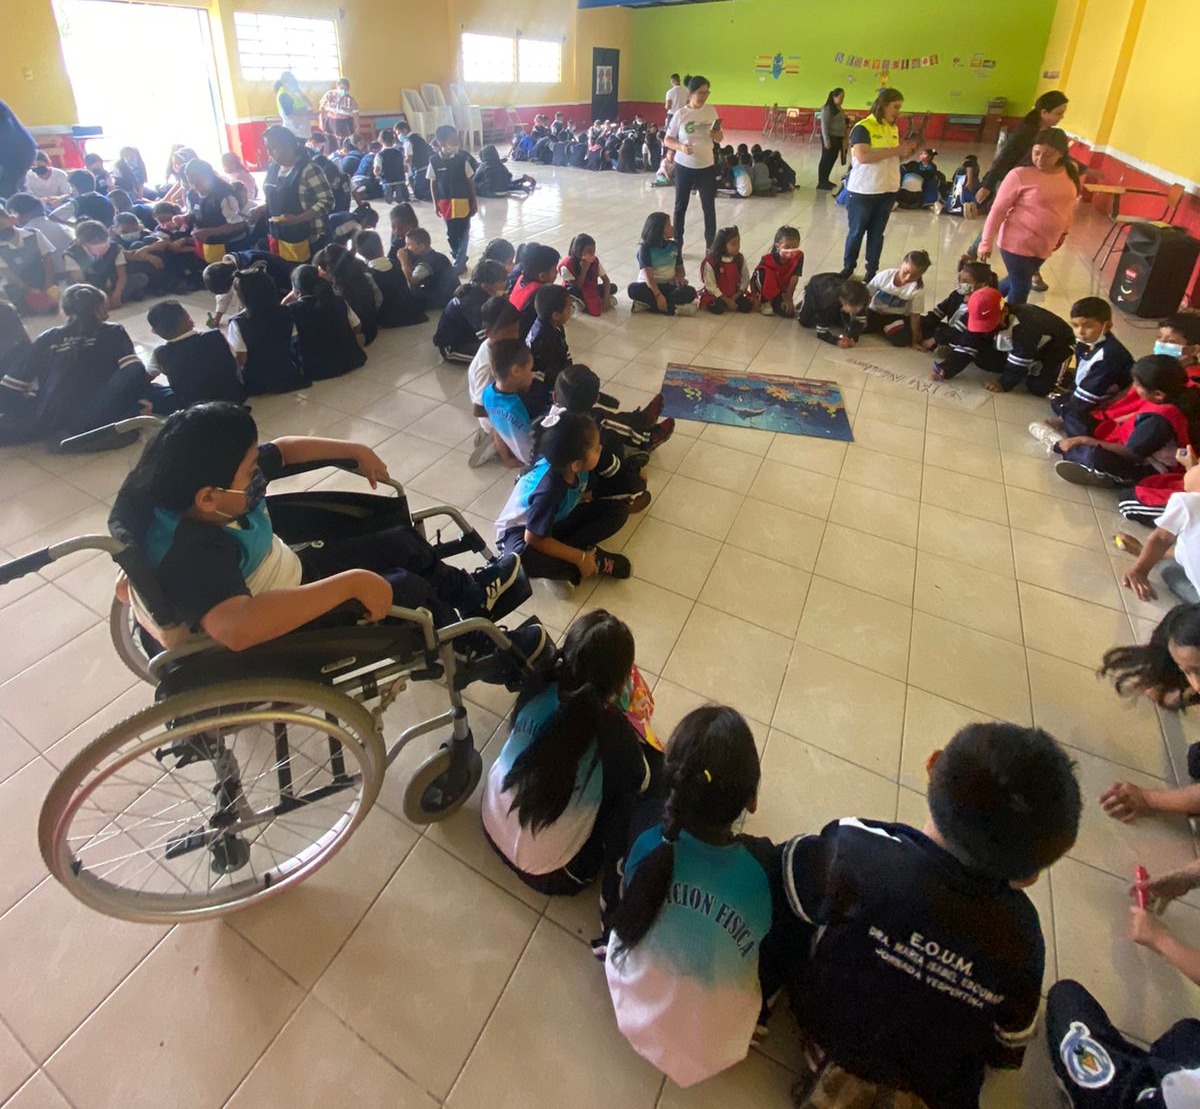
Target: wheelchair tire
{"points": [[212, 800], [124, 630], [440, 788]]}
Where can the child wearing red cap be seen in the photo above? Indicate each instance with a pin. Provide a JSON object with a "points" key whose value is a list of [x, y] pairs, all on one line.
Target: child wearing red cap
{"points": [[984, 311]]}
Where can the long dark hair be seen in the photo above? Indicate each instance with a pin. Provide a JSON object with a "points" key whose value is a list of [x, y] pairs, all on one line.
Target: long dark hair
{"points": [[832, 93], [713, 771], [652, 229], [579, 244], [347, 274], [1056, 138], [1164, 374], [1145, 667], [1047, 102], [590, 670], [258, 292], [83, 306], [721, 243]]}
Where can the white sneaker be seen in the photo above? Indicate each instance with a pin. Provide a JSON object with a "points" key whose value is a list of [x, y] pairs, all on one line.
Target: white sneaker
{"points": [[767, 310], [687, 309], [1044, 433], [637, 306]]}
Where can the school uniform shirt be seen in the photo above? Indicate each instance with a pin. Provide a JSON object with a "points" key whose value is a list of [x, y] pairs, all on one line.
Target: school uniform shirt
{"points": [[453, 179], [65, 369], [876, 177], [822, 309], [1102, 371], [676, 98], [389, 164], [87, 206], [21, 251], [58, 236], [540, 499], [44, 188], [269, 365], [479, 373], [199, 366], [730, 277], [891, 299], [461, 320], [398, 308], [660, 260], [511, 420], [760, 177], [687, 997], [1180, 518], [200, 565], [921, 971], [324, 344], [612, 765], [550, 351], [1034, 334], [101, 272], [434, 278], [1153, 440], [694, 126]]}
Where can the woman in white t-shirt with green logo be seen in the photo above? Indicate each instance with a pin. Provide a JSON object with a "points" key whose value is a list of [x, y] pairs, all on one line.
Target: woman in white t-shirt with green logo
{"points": [[693, 130]]}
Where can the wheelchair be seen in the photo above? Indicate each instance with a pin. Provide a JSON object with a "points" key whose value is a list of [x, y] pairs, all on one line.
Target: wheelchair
{"points": [[251, 769]]}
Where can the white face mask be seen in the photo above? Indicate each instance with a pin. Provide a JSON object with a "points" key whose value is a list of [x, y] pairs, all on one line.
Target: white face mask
{"points": [[964, 288]]}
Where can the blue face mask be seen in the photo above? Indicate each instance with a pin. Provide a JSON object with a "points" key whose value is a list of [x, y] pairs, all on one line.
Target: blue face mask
{"points": [[1174, 350], [255, 492]]}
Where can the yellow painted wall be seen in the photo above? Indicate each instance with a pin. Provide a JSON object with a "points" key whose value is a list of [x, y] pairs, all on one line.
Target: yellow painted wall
{"points": [[1097, 52], [1058, 47], [381, 51]]}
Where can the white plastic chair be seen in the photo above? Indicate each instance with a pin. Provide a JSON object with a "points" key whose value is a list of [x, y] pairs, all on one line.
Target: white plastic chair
{"points": [[420, 119], [435, 103], [468, 117]]}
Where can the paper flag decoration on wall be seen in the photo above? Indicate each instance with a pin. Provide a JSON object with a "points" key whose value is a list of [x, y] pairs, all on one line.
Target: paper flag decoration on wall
{"points": [[777, 65]]}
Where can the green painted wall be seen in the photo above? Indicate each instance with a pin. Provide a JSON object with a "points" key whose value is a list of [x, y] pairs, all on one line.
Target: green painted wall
{"points": [[723, 40]]}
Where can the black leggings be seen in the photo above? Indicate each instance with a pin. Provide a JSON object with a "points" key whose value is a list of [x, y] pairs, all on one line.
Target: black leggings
{"points": [[704, 181], [897, 330], [672, 293], [419, 579], [587, 525], [828, 157]]}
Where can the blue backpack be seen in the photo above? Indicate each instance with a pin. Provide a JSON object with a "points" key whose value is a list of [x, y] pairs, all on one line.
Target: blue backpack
{"points": [[522, 151]]}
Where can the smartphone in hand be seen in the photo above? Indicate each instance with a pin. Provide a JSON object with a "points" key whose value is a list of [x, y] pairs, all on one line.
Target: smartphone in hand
{"points": [[717, 125]]}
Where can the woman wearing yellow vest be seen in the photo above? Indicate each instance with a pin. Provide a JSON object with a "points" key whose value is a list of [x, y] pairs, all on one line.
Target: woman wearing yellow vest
{"points": [[875, 156]]}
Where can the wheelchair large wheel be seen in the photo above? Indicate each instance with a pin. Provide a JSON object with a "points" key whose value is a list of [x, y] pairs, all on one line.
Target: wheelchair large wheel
{"points": [[443, 782], [212, 800], [125, 633]]}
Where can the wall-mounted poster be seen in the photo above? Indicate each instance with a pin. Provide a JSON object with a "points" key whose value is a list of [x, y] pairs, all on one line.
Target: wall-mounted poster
{"points": [[604, 81], [839, 57]]}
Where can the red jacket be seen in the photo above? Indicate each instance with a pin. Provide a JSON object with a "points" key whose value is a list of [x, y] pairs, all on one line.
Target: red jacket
{"points": [[589, 286], [728, 277], [773, 273]]}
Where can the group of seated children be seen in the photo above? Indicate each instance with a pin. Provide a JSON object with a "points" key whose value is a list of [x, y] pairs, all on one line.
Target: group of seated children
{"points": [[925, 936], [752, 171], [628, 146]]}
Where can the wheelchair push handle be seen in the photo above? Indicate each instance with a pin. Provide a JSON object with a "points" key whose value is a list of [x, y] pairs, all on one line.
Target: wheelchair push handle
{"points": [[26, 564], [98, 434], [38, 560]]}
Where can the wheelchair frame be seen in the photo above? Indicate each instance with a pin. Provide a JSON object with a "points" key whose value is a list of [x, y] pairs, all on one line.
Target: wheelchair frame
{"points": [[347, 676]]}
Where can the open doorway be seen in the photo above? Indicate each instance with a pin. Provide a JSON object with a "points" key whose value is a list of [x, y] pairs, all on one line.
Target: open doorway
{"points": [[168, 96]]}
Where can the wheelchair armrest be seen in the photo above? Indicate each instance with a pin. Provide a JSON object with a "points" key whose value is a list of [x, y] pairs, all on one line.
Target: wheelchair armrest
{"points": [[469, 540], [347, 464], [134, 423], [38, 560]]}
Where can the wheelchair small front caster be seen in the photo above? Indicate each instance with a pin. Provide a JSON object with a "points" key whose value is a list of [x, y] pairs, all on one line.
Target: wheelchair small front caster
{"points": [[229, 855], [443, 782]]}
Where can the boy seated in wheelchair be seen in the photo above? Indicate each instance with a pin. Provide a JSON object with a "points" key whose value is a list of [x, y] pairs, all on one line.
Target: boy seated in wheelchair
{"points": [[198, 491]]}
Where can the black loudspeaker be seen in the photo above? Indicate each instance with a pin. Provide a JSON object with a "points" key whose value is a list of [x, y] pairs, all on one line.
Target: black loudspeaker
{"points": [[1154, 270]]}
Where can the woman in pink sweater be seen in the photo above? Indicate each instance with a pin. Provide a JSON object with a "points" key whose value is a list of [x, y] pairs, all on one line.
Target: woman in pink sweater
{"points": [[1032, 213]]}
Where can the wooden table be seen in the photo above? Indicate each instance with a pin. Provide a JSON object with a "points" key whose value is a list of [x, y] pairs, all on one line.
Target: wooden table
{"points": [[1116, 192]]}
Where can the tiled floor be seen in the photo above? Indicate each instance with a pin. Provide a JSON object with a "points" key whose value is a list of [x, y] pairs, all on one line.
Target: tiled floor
{"points": [[858, 603]]}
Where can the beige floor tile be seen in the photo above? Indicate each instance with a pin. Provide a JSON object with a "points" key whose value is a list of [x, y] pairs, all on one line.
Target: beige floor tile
{"points": [[1032, 1087], [778, 533], [1066, 568], [1079, 709], [963, 594], [975, 458], [407, 455], [760, 590], [301, 930], [15, 752], [1055, 518], [729, 660], [214, 1004], [33, 701], [964, 538], [969, 667], [820, 456], [307, 1067], [930, 722], [21, 797], [971, 496], [1141, 991], [950, 423], [696, 506], [857, 626], [721, 466], [587, 1062], [672, 703], [842, 708], [879, 408], [38, 1093], [885, 437], [670, 557], [448, 481], [757, 1083], [1020, 408], [876, 512], [672, 452], [900, 476], [655, 616], [90, 954], [1037, 475], [1069, 628], [418, 977], [868, 563], [15, 1064], [748, 439], [804, 788], [38, 624], [1161, 843], [41, 510], [399, 409], [793, 488]]}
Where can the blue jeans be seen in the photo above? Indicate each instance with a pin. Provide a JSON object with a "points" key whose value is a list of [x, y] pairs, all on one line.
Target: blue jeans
{"points": [[869, 214], [1021, 269]]}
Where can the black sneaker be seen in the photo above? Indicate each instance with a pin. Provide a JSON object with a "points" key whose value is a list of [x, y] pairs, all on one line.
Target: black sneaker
{"points": [[637, 460], [612, 565], [847, 272], [503, 584], [532, 644], [662, 431], [1078, 474]]}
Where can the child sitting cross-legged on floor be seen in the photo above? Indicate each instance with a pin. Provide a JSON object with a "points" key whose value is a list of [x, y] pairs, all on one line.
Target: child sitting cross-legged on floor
{"points": [[577, 389], [510, 401], [662, 283], [549, 518], [500, 320], [198, 365], [548, 336], [200, 486], [328, 339], [948, 320], [538, 266], [461, 324], [584, 276], [724, 275], [898, 301], [1138, 435], [930, 931], [429, 273], [397, 307], [773, 284], [261, 336]]}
